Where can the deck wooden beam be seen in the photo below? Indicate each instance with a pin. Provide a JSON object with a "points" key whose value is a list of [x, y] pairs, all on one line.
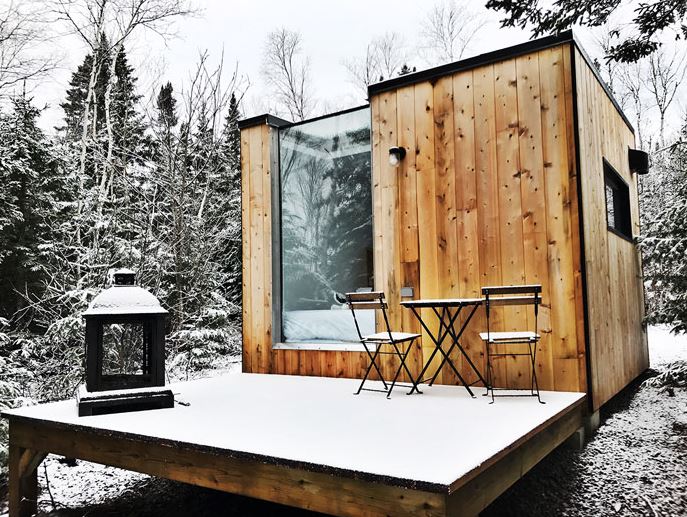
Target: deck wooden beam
{"points": [[470, 498], [23, 482], [333, 493], [317, 491]]}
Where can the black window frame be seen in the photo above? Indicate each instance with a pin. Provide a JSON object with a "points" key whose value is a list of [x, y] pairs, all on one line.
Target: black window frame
{"points": [[622, 214]]}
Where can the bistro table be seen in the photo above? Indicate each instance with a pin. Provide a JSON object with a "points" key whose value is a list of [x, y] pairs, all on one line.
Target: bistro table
{"points": [[447, 311]]}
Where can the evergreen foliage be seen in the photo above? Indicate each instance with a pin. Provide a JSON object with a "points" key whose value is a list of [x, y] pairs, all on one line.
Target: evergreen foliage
{"points": [[32, 205], [650, 19], [664, 243], [161, 197]]}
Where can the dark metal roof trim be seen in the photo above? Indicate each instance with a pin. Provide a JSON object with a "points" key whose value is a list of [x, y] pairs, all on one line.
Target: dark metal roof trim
{"points": [[321, 117], [259, 120], [494, 57], [471, 62], [603, 84]]}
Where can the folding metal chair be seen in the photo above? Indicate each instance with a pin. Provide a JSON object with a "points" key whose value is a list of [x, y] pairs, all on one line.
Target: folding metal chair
{"points": [[374, 343], [504, 295]]}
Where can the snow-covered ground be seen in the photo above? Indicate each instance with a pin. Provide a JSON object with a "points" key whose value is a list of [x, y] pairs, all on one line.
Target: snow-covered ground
{"points": [[665, 347]]}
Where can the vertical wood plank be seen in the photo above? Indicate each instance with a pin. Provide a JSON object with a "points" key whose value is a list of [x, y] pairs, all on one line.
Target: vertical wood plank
{"points": [[247, 325], [574, 210], [533, 186], [562, 349], [512, 261], [426, 207], [488, 190], [445, 204], [265, 359], [390, 232], [467, 226], [408, 217]]}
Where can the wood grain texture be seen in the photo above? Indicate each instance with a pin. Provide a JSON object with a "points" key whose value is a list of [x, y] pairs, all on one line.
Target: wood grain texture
{"points": [[315, 491], [487, 194], [615, 303]]}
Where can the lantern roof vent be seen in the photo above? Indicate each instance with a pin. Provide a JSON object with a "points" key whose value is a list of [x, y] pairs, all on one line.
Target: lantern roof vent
{"points": [[123, 297], [121, 276]]}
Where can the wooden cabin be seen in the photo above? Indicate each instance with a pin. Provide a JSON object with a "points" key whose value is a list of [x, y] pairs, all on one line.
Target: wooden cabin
{"points": [[517, 171]]}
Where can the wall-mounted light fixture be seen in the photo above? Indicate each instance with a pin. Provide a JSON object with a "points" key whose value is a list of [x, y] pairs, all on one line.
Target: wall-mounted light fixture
{"points": [[639, 161], [396, 154]]}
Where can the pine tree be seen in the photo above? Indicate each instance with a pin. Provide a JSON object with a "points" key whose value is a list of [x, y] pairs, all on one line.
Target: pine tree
{"points": [[33, 195], [229, 193], [131, 144], [74, 106], [166, 107], [664, 245]]}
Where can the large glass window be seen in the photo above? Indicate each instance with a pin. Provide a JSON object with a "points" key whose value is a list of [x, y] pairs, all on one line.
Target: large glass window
{"points": [[326, 226]]}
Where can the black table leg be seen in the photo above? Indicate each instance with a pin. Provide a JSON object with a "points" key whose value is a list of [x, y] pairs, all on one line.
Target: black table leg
{"points": [[437, 344], [456, 343]]}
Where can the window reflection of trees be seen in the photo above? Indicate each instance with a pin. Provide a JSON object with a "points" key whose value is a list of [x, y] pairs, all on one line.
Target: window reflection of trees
{"points": [[326, 213]]}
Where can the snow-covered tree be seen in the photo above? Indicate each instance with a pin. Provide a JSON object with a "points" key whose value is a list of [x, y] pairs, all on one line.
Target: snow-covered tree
{"points": [[32, 199], [664, 241]]}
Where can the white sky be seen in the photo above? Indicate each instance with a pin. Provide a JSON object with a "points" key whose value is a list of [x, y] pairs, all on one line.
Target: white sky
{"points": [[331, 32]]}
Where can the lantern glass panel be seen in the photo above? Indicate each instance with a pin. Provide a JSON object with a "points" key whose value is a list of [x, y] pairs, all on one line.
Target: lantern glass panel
{"points": [[123, 348]]}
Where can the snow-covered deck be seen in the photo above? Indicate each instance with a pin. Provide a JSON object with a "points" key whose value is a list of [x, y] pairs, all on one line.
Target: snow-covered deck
{"points": [[435, 442]]}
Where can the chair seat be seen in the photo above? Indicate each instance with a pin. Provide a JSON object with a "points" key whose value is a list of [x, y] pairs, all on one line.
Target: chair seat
{"points": [[509, 337], [398, 337]]}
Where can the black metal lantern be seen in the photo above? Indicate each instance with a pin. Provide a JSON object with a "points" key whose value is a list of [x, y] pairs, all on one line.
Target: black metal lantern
{"points": [[125, 350]]}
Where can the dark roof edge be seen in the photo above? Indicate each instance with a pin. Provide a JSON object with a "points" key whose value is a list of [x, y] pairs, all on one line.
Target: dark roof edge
{"points": [[259, 120], [607, 89], [326, 115], [494, 57], [471, 62]]}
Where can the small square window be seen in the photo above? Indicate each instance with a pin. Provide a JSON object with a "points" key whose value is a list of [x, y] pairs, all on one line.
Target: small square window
{"points": [[618, 217]]}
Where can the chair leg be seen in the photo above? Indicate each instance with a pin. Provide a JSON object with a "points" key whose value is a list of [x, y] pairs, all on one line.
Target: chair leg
{"points": [[490, 376], [398, 370], [373, 363], [402, 357], [535, 383], [491, 382], [410, 375]]}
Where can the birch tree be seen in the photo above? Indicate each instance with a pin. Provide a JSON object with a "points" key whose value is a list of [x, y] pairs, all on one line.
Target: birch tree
{"points": [[448, 29], [664, 78], [287, 72], [104, 26], [384, 58]]}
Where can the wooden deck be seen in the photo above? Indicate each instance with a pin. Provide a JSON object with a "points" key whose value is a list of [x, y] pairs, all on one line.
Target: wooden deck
{"points": [[309, 442]]}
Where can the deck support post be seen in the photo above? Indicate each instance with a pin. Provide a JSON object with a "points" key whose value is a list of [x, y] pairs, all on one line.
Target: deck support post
{"points": [[592, 422], [577, 440], [23, 479]]}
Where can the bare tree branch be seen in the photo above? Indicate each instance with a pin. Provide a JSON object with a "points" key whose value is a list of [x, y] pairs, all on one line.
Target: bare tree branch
{"points": [[665, 76], [287, 72], [21, 32], [384, 57], [448, 29]]}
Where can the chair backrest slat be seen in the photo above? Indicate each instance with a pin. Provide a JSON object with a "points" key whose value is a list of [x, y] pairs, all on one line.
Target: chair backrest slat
{"points": [[359, 306], [368, 300], [369, 296], [511, 289], [515, 300]]}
